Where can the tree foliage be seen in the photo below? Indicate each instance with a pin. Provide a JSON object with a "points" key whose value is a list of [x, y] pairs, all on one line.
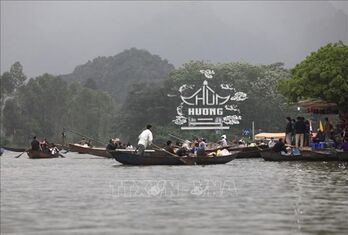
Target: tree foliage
{"points": [[151, 103], [117, 74], [47, 104], [323, 75]]}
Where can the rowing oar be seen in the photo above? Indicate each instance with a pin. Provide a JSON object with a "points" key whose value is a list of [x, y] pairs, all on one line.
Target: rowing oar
{"points": [[186, 161], [22, 153], [176, 137]]}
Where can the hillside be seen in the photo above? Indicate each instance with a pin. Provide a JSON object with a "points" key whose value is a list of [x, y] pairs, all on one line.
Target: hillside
{"points": [[116, 74]]}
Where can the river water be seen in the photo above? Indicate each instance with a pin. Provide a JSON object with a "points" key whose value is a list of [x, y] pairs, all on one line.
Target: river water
{"points": [[84, 194]]}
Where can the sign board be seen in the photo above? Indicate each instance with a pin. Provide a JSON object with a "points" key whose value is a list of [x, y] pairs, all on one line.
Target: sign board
{"points": [[203, 107]]}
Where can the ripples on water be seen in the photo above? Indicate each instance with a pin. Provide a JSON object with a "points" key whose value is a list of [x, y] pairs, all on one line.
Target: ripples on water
{"points": [[83, 194]]}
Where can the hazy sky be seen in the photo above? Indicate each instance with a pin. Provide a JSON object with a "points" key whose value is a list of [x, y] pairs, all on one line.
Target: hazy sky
{"points": [[54, 37]]}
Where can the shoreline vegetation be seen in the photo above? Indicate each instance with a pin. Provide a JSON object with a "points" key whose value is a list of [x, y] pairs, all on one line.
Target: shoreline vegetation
{"points": [[115, 96]]}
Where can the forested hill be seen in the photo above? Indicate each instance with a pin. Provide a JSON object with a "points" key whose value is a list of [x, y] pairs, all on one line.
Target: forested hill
{"points": [[116, 74]]}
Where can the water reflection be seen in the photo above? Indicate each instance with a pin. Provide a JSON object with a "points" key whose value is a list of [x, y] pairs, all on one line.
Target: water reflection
{"points": [[95, 195]]}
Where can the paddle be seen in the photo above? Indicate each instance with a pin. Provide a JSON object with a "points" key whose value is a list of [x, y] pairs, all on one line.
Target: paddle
{"points": [[176, 137], [186, 161], [22, 153]]}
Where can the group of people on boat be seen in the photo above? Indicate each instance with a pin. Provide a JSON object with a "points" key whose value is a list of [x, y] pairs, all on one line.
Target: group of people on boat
{"points": [[43, 146], [299, 133], [196, 147], [115, 143]]}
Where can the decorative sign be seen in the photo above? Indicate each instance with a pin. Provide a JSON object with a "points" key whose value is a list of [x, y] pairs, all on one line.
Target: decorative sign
{"points": [[205, 109]]}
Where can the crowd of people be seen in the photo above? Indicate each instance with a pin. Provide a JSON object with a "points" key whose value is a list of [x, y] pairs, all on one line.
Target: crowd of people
{"points": [[299, 133]]}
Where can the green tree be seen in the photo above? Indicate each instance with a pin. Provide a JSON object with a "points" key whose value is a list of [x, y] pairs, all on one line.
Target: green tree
{"points": [[151, 104], [46, 104], [322, 75]]}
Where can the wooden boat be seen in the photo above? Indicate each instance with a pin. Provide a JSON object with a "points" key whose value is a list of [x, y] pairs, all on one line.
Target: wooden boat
{"points": [[244, 152], [249, 152], [39, 154], [14, 149], [163, 158], [62, 147], [216, 160], [101, 152], [306, 155]]}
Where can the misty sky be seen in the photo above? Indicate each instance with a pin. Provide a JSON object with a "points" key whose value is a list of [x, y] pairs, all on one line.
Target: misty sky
{"points": [[54, 37]]}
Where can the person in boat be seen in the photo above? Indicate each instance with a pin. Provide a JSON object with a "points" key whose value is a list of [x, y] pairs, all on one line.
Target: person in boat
{"points": [[122, 145], [293, 134], [328, 129], [53, 149], [170, 147], [271, 143], [288, 131], [111, 145], [195, 148], [129, 146], [145, 140], [44, 146], [279, 146], [320, 137], [344, 145], [307, 134], [184, 150], [201, 148], [35, 144], [83, 141], [241, 142], [300, 129], [223, 141]]}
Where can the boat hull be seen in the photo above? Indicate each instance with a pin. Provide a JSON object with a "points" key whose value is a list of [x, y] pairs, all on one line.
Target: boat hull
{"points": [[40, 155], [249, 152], [162, 158], [89, 150], [306, 155], [342, 156]]}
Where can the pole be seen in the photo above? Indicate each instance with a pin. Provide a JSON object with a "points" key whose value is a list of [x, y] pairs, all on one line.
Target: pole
{"points": [[75, 132], [253, 129]]}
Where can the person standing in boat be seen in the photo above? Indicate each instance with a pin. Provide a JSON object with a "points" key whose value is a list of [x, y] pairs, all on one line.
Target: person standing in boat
{"points": [[35, 144], [328, 128], [300, 129], [145, 140], [288, 131]]}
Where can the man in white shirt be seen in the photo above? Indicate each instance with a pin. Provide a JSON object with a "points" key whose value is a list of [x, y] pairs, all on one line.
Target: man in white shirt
{"points": [[145, 140]]}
